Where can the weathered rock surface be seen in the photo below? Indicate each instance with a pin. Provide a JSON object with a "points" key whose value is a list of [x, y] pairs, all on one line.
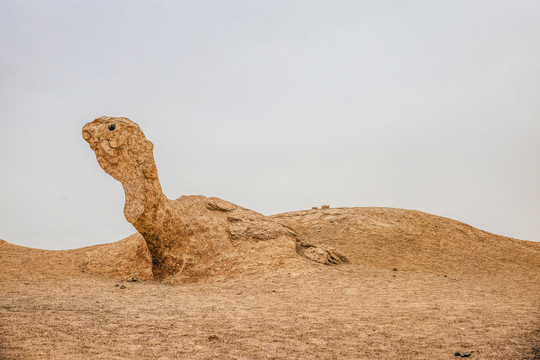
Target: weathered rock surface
{"points": [[192, 237]]}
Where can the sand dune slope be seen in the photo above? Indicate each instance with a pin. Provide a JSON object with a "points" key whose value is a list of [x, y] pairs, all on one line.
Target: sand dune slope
{"points": [[413, 240], [125, 258]]}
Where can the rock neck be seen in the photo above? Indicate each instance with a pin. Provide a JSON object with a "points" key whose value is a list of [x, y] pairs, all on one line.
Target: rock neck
{"points": [[146, 206]]}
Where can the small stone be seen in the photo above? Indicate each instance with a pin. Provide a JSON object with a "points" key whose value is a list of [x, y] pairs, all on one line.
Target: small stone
{"points": [[317, 254], [117, 285], [394, 269], [122, 287], [213, 337], [218, 204]]}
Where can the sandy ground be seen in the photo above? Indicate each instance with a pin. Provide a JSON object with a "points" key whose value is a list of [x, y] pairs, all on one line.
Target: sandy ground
{"points": [[350, 312], [51, 309]]}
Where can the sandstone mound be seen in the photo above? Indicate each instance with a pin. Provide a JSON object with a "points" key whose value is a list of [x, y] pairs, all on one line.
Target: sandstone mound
{"points": [[412, 240], [383, 238], [122, 259]]}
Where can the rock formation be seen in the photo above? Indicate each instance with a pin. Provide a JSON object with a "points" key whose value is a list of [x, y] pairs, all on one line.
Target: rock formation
{"points": [[192, 237]]}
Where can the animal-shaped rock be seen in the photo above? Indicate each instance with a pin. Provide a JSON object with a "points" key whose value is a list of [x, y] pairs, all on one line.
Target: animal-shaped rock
{"points": [[192, 237]]}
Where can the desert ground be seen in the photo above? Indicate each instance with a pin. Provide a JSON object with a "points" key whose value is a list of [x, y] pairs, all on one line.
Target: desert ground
{"points": [[418, 286]]}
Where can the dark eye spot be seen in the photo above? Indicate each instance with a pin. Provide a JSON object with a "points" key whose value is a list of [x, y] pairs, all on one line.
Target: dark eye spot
{"points": [[112, 127]]}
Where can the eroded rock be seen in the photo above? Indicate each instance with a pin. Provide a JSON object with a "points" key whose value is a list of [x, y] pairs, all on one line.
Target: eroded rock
{"points": [[192, 237]]}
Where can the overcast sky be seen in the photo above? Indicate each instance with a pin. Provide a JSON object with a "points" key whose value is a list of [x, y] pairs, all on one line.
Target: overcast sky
{"points": [[273, 105]]}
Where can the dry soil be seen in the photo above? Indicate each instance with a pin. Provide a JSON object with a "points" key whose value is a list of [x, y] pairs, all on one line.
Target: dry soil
{"points": [[418, 287]]}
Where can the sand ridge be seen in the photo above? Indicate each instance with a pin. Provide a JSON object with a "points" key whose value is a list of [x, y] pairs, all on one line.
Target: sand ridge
{"points": [[384, 238]]}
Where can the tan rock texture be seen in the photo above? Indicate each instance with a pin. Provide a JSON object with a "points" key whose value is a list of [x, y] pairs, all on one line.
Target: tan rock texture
{"points": [[192, 237]]}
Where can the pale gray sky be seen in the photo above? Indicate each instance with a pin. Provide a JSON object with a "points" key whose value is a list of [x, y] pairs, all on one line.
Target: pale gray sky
{"points": [[273, 105]]}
